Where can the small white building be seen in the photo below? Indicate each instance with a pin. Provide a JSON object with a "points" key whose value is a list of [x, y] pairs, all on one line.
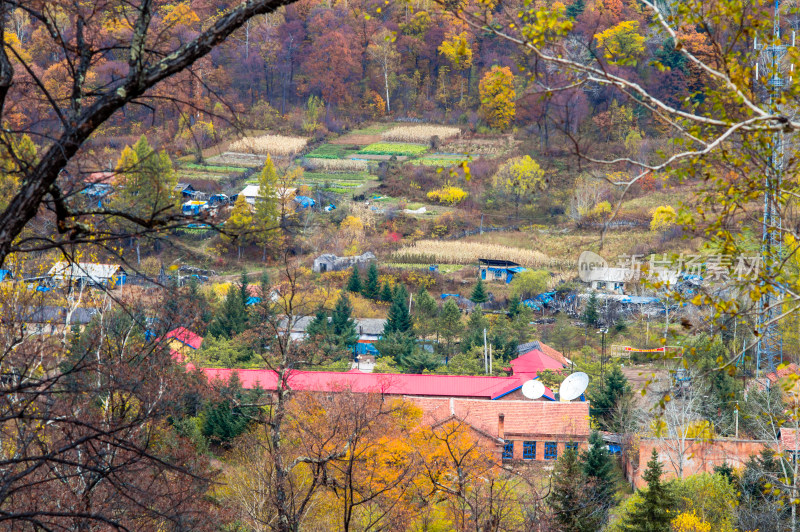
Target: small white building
{"points": [[88, 273], [251, 192], [610, 279]]}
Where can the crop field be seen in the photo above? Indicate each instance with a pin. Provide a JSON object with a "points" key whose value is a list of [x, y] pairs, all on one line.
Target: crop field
{"points": [[461, 252], [269, 144], [214, 168], [479, 147], [247, 160], [319, 177], [334, 166], [443, 268], [394, 148], [421, 133], [438, 159]]}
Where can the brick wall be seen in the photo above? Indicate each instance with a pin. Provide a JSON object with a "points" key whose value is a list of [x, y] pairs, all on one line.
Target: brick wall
{"points": [[700, 457]]}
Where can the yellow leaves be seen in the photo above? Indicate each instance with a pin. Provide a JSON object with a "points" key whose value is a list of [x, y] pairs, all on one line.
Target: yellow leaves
{"points": [[520, 175], [497, 97], [664, 217], [448, 194], [458, 50], [180, 13], [622, 44], [690, 522]]}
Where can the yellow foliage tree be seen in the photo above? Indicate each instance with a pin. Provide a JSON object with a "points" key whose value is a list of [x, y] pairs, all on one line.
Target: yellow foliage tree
{"points": [[622, 44], [497, 97], [664, 217], [458, 51], [520, 177]]}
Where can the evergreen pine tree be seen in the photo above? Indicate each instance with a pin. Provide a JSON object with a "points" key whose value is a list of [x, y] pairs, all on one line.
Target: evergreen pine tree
{"points": [[354, 283], [399, 319], [449, 326], [343, 326], [568, 498], [473, 335], [386, 293], [371, 288], [513, 306], [319, 325], [603, 405], [576, 8], [232, 319], [425, 312], [598, 468], [654, 514], [590, 314], [478, 295]]}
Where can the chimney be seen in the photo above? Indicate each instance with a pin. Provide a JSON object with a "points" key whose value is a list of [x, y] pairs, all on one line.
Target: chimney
{"points": [[501, 429]]}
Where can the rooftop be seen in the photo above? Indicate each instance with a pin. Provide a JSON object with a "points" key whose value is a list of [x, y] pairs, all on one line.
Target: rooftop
{"points": [[392, 384], [521, 417], [185, 336]]}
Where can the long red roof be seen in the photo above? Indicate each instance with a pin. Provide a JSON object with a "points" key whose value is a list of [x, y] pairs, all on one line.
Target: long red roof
{"points": [[392, 384]]}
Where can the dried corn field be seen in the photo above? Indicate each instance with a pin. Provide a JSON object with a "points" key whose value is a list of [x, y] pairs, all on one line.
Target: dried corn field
{"points": [[269, 144], [420, 133], [460, 252], [335, 165]]}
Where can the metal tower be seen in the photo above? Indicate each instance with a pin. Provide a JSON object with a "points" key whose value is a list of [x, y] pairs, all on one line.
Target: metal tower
{"points": [[769, 349]]}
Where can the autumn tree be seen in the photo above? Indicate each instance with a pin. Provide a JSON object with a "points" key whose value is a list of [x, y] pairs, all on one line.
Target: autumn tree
{"points": [[520, 177], [622, 44], [457, 49], [497, 97], [382, 51], [449, 326], [267, 215], [239, 227]]}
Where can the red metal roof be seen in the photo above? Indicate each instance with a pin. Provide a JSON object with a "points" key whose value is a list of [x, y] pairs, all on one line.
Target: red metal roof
{"points": [[533, 362], [185, 336], [109, 178], [521, 417], [783, 372], [553, 353], [393, 384]]}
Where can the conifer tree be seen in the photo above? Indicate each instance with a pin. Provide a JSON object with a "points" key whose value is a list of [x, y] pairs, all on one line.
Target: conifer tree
{"points": [[598, 468], [354, 283], [568, 496], [473, 335], [425, 313], [399, 319], [654, 514], [387, 294], [449, 326], [232, 319], [590, 314], [478, 295], [240, 224], [603, 404], [371, 288], [343, 326], [513, 306]]}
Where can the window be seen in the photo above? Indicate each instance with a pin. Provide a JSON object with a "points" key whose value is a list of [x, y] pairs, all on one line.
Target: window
{"points": [[529, 450], [550, 450], [571, 445], [508, 450]]}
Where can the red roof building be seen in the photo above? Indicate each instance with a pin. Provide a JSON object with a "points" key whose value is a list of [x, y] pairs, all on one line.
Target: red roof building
{"points": [[105, 178], [185, 337], [522, 429], [476, 387]]}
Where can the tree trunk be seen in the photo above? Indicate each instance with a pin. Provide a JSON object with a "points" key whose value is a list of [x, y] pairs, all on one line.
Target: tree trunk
{"points": [[386, 84]]}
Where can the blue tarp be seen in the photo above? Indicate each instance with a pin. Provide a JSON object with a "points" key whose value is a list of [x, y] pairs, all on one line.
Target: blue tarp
{"points": [[252, 300], [4, 274], [304, 201], [445, 296]]}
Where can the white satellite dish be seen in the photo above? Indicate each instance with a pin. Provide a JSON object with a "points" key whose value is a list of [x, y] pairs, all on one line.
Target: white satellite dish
{"points": [[533, 389], [573, 386]]}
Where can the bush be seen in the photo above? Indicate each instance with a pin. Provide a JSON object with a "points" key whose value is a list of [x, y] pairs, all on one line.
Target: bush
{"points": [[448, 194], [663, 218], [530, 283]]}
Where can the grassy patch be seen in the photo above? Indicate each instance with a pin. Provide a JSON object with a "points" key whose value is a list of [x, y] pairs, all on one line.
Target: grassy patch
{"points": [[214, 168], [374, 129], [394, 148], [328, 151], [652, 200], [323, 176]]}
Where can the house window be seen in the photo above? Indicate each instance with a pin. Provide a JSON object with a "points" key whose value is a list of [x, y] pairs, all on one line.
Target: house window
{"points": [[550, 450], [529, 450], [571, 445], [508, 450]]}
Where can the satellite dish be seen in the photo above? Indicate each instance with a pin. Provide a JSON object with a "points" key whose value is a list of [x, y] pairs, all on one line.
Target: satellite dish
{"points": [[573, 386], [533, 389]]}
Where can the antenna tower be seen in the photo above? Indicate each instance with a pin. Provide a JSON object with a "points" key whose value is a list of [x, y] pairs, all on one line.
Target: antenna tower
{"points": [[770, 346]]}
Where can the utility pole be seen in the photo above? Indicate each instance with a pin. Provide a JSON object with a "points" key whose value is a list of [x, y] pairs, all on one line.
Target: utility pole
{"points": [[485, 354]]}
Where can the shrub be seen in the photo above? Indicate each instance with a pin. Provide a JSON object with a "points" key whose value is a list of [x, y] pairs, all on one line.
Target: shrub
{"points": [[448, 194], [663, 218]]}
